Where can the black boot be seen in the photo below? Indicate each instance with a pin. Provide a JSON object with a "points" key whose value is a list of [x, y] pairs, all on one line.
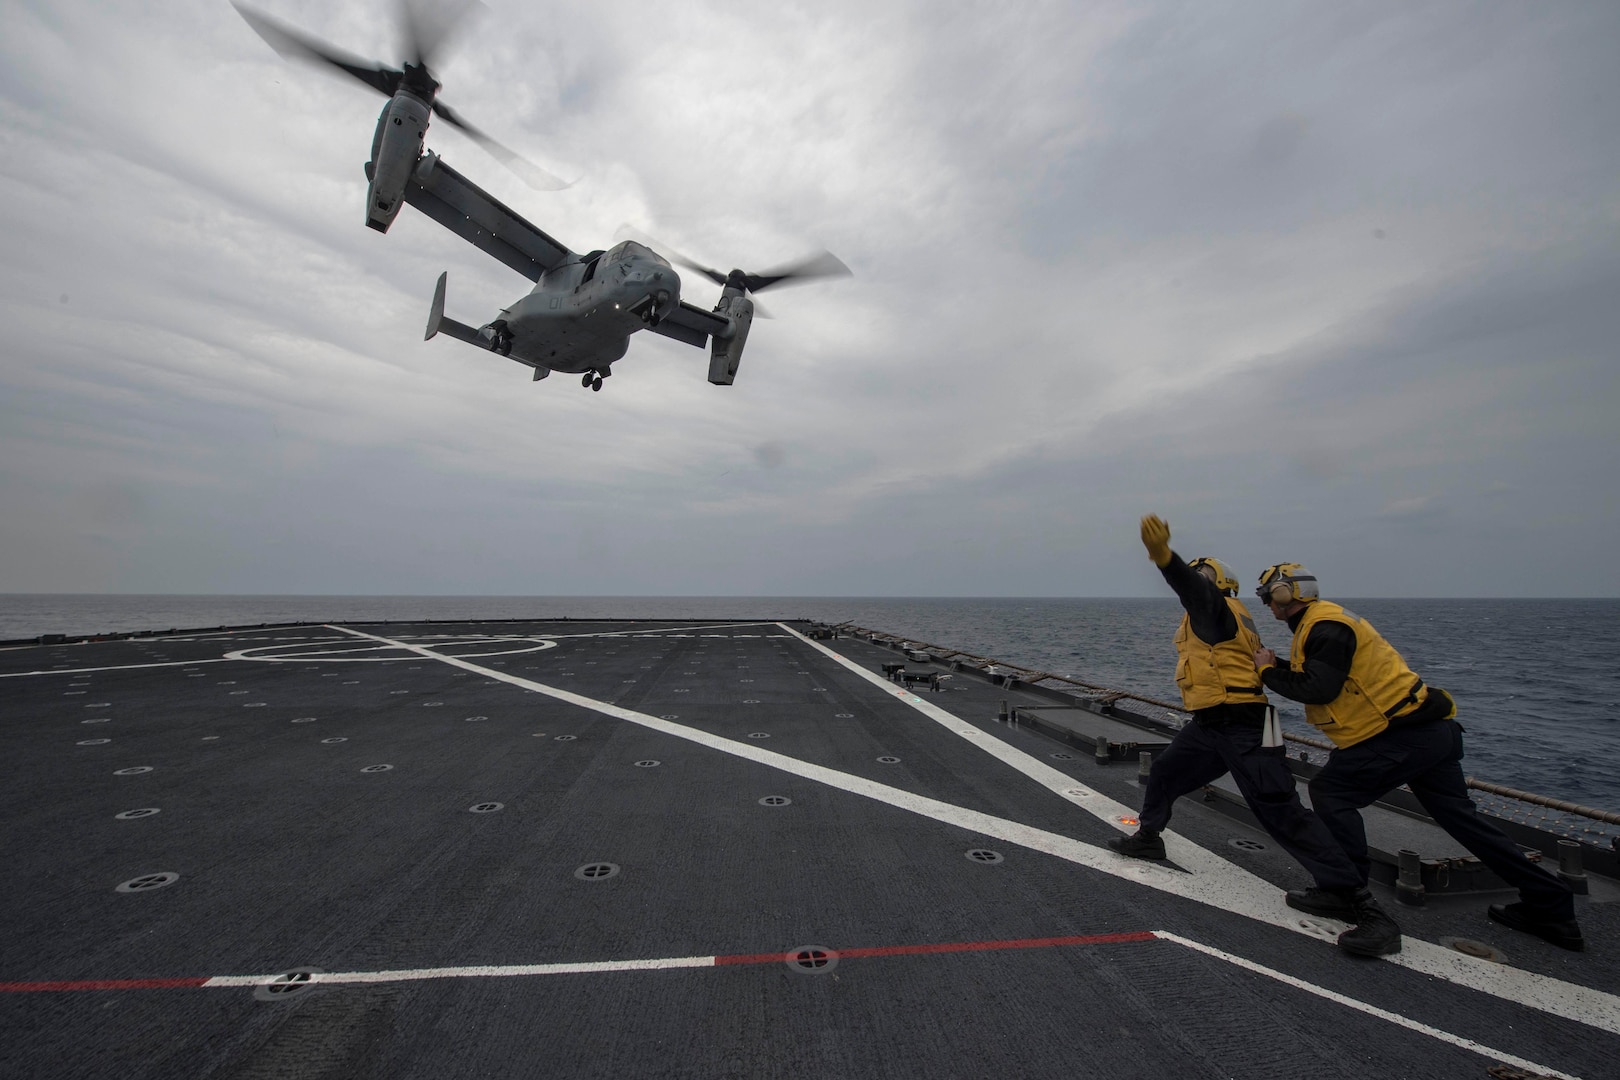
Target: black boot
{"points": [[1328, 903], [1565, 933], [1375, 934], [1142, 845]]}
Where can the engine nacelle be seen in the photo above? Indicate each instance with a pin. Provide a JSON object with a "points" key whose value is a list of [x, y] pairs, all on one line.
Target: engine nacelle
{"points": [[394, 150], [725, 350]]}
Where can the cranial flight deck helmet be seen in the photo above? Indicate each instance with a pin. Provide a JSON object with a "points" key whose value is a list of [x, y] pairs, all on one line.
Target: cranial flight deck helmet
{"points": [[1218, 572], [1285, 583]]}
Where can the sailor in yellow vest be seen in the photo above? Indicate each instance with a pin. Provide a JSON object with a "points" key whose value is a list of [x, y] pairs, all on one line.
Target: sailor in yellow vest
{"points": [[1390, 728], [1215, 670]]}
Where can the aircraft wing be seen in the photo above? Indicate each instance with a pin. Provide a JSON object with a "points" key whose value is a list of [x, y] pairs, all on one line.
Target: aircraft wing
{"points": [[691, 324], [482, 220]]}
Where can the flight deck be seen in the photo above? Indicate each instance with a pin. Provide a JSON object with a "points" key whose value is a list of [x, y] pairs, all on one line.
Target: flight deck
{"points": [[678, 849]]}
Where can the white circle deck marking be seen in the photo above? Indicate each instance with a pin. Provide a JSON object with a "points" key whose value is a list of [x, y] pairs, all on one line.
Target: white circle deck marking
{"points": [[133, 770], [336, 739], [131, 815], [97, 720], [347, 651], [93, 742]]}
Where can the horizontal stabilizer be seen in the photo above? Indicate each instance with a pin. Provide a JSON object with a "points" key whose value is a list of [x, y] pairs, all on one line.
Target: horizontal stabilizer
{"points": [[463, 332]]}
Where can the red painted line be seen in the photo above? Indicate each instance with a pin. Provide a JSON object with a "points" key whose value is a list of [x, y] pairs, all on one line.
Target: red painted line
{"points": [[951, 947], [102, 984], [754, 958]]}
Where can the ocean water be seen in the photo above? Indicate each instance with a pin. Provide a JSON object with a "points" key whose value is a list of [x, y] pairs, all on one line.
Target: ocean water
{"points": [[1537, 682]]}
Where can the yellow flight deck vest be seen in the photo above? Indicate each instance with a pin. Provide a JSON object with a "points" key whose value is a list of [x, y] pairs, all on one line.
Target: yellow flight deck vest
{"points": [[1380, 686], [1210, 675]]}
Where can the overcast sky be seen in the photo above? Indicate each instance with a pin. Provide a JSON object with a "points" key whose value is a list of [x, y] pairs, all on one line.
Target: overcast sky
{"points": [[1328, 283]]}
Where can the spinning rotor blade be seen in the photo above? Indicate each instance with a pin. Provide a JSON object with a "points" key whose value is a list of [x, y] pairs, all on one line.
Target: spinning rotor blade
{"points": [[825, 264], [426, 27], [294, 45], [526, 170]]}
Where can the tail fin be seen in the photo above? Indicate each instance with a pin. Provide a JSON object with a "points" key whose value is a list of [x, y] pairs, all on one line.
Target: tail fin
{"points": [[436, 312], [437, 321]]}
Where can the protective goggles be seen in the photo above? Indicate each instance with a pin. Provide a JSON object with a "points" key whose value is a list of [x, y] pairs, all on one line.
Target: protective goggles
{"points": [[1294, 586]]}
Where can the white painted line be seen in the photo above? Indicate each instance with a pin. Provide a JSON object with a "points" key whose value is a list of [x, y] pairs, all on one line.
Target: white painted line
{"points": [[121, 667], [1213, 881], [660, 631], [1181, 850], [1258, 899], [497, 971], [1582, 1004], [1232, 892], [1371, 1010]]}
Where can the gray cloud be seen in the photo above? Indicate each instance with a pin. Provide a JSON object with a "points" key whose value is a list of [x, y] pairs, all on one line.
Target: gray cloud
{"points": [[1275, 273]]}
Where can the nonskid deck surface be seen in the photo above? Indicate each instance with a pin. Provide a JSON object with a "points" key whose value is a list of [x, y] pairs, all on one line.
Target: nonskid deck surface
{"points": [[668, 849]]}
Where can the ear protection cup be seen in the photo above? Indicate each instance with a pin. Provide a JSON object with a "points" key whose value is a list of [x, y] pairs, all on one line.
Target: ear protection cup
{"points": [[1216, 571], [1285, 583]]}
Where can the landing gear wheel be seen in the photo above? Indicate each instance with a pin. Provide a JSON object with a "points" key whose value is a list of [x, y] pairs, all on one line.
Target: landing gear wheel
{"points": [[500, 341], [596, 383], [586, 381]]}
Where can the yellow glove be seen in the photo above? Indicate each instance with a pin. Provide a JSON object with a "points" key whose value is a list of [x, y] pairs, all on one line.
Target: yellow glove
{"points": [[1156, 538]]}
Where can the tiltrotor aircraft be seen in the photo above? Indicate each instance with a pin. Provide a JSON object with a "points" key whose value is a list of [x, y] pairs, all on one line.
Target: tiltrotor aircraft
{"points": [[583, 308]]}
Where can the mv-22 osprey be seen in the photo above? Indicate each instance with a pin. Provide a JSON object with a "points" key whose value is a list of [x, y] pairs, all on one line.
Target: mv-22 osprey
{"points": [[583, 309]]}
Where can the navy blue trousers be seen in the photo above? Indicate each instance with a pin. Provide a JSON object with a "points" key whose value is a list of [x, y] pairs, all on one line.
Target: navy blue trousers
{"points": [[1428, 758], [1199, 755]]}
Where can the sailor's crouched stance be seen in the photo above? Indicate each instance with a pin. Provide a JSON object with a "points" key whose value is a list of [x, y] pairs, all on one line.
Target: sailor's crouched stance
{"points": [[1389, 729], [1219, 685]]}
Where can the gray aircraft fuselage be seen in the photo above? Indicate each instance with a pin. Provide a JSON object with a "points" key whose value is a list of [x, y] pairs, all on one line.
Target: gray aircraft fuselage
{"points": [[579, 316]]}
